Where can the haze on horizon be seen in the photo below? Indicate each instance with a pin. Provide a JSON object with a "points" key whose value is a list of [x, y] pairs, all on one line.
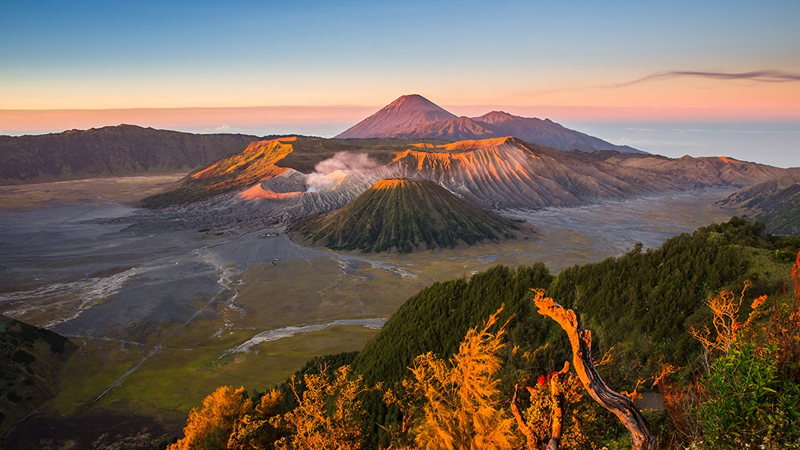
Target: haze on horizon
{"points": [[717, 78]]}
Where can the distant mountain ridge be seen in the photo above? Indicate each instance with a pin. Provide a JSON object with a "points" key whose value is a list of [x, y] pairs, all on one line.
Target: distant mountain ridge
{"points": [[110, 151], [415, 117]]}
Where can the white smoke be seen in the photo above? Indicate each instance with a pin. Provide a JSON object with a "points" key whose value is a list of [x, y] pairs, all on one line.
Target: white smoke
{"points": [[329, 172]]}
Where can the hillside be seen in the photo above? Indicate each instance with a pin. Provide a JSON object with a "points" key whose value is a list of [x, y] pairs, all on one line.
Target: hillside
{"points": [[415, 117], [775, 202], [402, 215], [506, 172], [267, 159], [432, 363], [701, 172], [657, 294], [30, 359], [110, 151], [488, 173]]}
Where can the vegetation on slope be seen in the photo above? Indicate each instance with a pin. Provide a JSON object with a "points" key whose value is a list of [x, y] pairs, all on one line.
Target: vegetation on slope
{"points": [[775, 202], [30, 359], [402, 215], [645, 304]]}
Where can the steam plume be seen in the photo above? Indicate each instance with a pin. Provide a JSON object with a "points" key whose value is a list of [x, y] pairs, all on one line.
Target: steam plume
{"points": [[341, 161]]}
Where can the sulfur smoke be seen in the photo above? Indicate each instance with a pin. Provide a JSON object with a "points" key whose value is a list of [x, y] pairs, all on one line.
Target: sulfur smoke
{"points": [[342, 161]]}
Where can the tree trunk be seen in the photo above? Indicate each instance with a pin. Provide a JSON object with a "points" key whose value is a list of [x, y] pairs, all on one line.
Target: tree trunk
{"points": [[530, 439], [581, 341], [557, 395]]}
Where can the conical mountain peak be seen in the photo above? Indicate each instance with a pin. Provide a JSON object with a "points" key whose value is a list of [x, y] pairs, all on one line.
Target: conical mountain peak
{"points": [[403, 215], [415, 117], [414, 103], [402, 114]]}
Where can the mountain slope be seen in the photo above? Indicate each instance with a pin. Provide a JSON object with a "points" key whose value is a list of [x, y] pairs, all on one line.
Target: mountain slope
{"points": [[107, 151], [254, 163], [30, 359], [264, 160], [398, 214], [280, 181], [641, 303], [775, 202], [413, 116], [547, 133], [506, 172], [406, 112], [699, 172]]}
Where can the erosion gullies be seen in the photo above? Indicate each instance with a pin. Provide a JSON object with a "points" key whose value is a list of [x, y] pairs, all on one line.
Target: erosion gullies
{"points": [[270, 183], [507, 173], [403, 215], [253, 164], [701, 172], [776, 202]]}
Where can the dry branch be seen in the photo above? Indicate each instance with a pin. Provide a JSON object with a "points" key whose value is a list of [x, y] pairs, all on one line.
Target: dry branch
{"points": [[581, 341]]}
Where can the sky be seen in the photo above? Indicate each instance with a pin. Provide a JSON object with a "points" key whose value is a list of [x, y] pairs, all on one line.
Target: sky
{"points": [[679, 77]]}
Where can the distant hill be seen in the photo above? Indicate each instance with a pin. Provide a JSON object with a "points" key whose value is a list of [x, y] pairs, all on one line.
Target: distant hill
{"points": [[110, 151], [403, 215], [30, 359], [775, 202], [701, 172], [413, 116]]}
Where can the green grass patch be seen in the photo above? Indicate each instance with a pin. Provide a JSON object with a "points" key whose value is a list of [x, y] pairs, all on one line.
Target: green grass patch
{"points": [[174, 381]]}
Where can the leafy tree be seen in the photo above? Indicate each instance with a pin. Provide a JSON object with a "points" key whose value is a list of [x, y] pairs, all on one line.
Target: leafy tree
{"points": [[255, 431], [329, 415], [461, 396], [210, 427]]}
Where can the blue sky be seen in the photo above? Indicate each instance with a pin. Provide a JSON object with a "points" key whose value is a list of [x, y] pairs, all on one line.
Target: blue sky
{"points": [[500, 54]]}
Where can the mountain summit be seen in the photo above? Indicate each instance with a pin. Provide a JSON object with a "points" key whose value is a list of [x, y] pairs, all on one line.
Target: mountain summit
{"points": [[415, 117], [406, 112]]}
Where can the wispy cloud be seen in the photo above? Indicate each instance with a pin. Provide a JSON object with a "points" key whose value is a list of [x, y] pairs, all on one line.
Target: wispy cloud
{"points": [[764, 76]]}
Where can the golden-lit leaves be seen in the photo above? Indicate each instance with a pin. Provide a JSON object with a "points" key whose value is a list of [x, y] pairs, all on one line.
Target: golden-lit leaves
{"points": [[211, 426], [461, 396], [329, 414]]}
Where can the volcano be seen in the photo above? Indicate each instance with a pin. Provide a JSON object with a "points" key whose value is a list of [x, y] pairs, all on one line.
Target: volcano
{"points": [[407, 112], [400, 214], [415, 117]]}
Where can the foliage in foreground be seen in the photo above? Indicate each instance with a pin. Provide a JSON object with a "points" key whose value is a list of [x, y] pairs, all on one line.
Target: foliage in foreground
{"points": [[749, 396], [746, 391]]}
